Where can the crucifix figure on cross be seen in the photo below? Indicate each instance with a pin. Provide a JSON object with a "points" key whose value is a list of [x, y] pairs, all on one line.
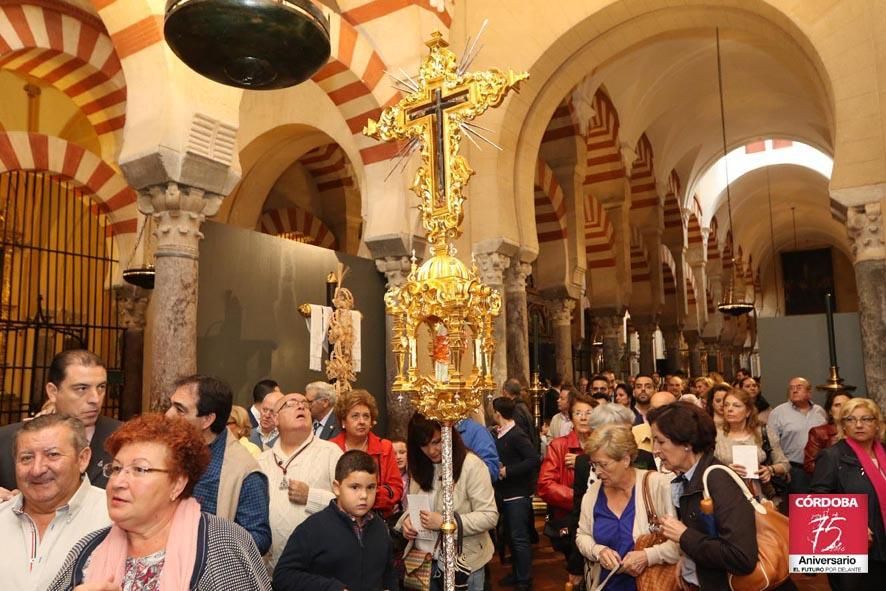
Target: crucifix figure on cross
{"points": [[443, 100]]}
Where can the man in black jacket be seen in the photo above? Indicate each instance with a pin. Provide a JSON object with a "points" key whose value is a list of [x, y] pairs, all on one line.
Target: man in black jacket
{"points": [[76, 386], [513, 490], [344, 546], [522, 415]]}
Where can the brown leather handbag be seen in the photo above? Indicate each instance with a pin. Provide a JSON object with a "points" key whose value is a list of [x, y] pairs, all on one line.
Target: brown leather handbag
{"points": [[658, 577], [772, 539]]}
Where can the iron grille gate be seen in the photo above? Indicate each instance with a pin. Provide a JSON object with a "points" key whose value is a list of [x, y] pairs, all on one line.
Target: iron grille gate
{"points": [[56, 258]]}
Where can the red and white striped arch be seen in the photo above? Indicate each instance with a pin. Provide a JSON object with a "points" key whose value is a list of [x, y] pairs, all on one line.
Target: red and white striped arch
{"points": [[550, 210], [361, 12], [691, 298], [34, 151], [640, 272], [713, 243], [673, 219], [603, 154], [668, 271], [329, 167], [643, 191], [352, 80], [297, 224], [70, 50], [563, 123], [599, 236]]}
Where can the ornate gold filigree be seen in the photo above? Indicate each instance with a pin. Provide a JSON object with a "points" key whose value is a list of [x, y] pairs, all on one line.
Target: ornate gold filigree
{"points": [[443, 295], [444, 100]]}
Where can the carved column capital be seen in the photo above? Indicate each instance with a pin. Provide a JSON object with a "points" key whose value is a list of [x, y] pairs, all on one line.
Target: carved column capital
{"points": [[516, 274], [132, 306], [177, 211], [610, 327], [492, 267], [395, 269], [645, 331], [866, 227], [561, 311]]}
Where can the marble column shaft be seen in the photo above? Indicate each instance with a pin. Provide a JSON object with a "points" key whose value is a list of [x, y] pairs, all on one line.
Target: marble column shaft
{"points": [[866, 226], [561, 314], [132, 305], [517, 320], [646, 333], [611, 329], [400, 409], [177, 211], [695, 348], [672, 348]]}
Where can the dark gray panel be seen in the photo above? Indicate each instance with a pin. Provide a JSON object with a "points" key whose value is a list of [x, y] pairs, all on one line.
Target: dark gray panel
{"points": [[248, 325], [798, 346]]}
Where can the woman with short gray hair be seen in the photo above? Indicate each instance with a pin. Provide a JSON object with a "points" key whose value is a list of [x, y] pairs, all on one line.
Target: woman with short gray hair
{"points": [[616, 496]]}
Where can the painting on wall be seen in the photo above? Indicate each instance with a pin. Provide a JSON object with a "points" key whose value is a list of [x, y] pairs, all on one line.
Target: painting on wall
{"points": [[808, 276]]}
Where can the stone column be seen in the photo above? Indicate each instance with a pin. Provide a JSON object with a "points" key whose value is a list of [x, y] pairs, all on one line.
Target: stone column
{"points": [[693, 341], [866, 225], [611, 331], [132, 305], [672, 339], [712, 346], [561, 315], [177, 211], [396, 270], [646, 333], [517, 320], [492, 267]]}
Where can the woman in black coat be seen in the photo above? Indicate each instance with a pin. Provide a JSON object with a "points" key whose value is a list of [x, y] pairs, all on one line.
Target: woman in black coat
{"points": [[842, 469], [713, 545]]}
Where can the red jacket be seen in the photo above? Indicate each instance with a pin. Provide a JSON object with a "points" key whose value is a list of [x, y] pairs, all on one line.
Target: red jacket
{"points": [[820, 437], [555, 479], [390, 484]]}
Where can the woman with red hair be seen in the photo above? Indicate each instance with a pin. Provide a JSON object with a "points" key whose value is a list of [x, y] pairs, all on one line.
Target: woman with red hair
{"points": [[357, 412], [159, 539]]}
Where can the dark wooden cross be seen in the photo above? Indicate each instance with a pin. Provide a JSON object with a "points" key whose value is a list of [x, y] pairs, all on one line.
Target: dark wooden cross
{"points": [[433, 114]]}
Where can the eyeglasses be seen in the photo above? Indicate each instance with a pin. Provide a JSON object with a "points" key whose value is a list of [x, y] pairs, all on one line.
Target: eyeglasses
{"points": [[111, 470], [292, 403], [604, 465], [856, 420]]}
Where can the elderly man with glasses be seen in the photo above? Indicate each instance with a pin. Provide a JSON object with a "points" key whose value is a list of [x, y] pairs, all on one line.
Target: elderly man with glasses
{"points": [[300, 468], [265, 434], [321, 402]]}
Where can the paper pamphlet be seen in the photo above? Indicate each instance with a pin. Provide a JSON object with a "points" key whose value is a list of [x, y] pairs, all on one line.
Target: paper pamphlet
{"points": [[746, 455], [417, 504]]}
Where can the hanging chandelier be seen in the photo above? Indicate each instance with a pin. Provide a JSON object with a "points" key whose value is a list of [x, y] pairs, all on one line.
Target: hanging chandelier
{"points": [[251, 44], [731, 304], [139, 275]]}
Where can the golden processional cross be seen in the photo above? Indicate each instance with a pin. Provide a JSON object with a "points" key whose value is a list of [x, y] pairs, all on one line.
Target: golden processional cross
{"points": [[443, 99], [443, 296]]}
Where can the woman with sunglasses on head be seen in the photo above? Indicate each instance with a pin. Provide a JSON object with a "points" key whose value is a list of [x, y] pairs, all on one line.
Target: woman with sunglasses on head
{"points": [[159, 538], [856, 464]]}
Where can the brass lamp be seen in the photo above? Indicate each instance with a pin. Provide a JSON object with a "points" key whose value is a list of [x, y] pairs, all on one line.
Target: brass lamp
{"points": [[252, 44]]}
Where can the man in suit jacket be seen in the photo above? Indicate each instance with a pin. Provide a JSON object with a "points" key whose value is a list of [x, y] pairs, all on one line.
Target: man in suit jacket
{"points": [[76, 386], [321, 400], [259, 391]]}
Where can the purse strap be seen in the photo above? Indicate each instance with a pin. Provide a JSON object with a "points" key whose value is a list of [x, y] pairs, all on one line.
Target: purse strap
{"points": [[651, 515], [758, 507]]}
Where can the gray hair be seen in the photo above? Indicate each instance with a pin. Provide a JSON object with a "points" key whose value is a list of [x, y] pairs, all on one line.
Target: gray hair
{"points": [[78, 431], [324, 390], [610, 414]]}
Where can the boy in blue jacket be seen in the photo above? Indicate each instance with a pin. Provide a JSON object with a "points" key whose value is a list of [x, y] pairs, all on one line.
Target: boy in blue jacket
{"points": [[345, 546]]}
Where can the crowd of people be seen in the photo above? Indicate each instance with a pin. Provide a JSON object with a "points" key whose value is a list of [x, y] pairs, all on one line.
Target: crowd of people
{"points": [[298, 492]]}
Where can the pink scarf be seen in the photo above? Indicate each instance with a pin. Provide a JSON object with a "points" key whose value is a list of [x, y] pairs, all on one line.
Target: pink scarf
{"points": [[109, 559], [874, 474]]}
